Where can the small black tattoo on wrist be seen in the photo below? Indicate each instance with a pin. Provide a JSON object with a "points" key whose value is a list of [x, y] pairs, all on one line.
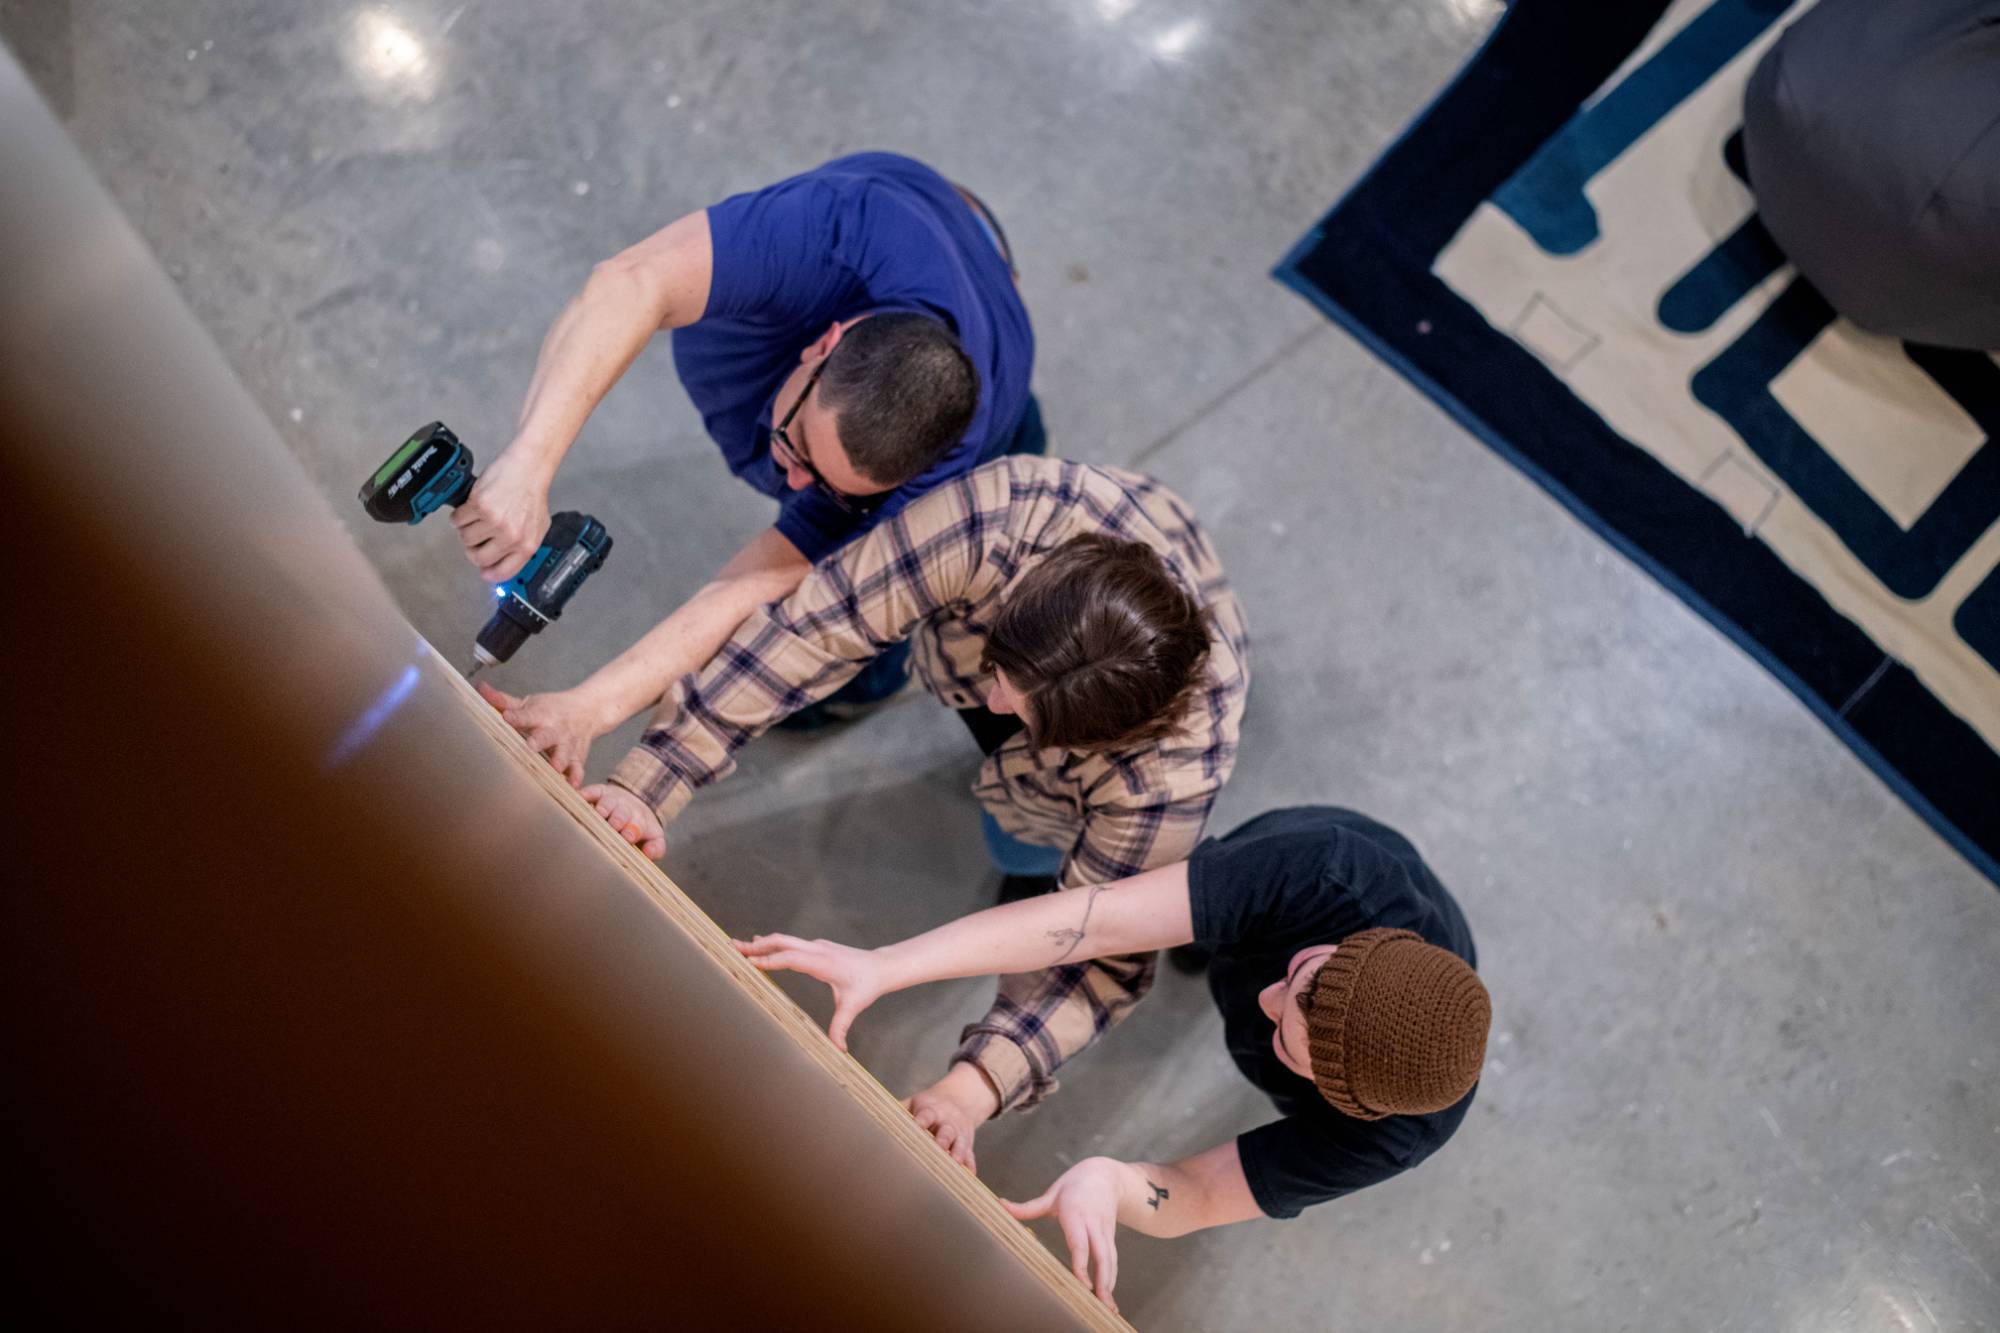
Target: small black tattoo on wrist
{"points": [[1159, 1193]]}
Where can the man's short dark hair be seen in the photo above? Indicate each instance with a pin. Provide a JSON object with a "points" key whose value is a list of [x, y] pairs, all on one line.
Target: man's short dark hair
{"points": [[1105, 644], [902, 391]]}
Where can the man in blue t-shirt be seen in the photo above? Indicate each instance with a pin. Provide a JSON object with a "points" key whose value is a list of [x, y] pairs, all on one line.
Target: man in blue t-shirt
{"points": [[1344, 974], [852, 337]]}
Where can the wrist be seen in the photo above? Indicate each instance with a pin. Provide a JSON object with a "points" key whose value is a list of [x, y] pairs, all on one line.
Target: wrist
{"points": [[601, 707], [1137, 1182], [968, 1086], [534, 454], [895, 967]]}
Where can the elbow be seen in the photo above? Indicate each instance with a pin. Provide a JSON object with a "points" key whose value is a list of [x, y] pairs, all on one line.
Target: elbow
{"points": [[629, 279]]}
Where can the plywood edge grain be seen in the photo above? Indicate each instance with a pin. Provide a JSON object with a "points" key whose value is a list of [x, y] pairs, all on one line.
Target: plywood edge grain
{"points": [[876, 1100]]}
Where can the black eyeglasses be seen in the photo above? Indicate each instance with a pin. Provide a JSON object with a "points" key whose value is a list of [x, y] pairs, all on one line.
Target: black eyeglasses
{"points": [[786, 452]]}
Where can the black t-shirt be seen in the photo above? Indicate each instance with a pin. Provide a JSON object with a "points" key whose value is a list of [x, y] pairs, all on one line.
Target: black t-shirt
{"points": [[1284, 882]]}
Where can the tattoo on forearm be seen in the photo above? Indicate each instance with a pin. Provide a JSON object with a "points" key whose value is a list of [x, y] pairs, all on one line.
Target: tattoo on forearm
{"points": [[1071, 937], [1159, 1193]]}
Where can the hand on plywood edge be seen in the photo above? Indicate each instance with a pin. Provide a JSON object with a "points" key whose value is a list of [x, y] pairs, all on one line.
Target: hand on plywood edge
{"points": [[560, 725], [857, 976], [1085, 1202], [952, 1109], [630, 816]]}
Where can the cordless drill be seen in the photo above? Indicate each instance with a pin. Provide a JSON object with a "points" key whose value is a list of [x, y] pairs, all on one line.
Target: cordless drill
{"points": [[432, 468]]}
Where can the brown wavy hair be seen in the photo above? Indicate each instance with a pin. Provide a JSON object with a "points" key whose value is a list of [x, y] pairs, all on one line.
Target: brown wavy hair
{"points": [[1107, 647]]}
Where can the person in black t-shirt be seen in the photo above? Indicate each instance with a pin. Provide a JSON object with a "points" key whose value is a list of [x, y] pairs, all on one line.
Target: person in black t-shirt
{"points": [[1344, 973]]}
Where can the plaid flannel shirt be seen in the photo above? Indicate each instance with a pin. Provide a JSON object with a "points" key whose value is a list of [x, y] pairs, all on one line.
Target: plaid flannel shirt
{"points": [[935, 574]]}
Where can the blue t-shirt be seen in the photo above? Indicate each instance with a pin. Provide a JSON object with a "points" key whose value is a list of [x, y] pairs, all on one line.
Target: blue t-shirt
{"points": [[1287, 881], [870, 232]]}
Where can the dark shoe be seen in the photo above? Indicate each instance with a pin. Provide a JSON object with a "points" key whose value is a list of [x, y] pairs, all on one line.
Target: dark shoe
{"points": [[813, 717], [1190, 959], [880, 681], [827, 713], [1013, 888]]}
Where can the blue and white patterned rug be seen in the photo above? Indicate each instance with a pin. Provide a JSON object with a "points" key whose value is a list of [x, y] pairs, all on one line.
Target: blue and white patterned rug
{"points": [[1562, 251]]}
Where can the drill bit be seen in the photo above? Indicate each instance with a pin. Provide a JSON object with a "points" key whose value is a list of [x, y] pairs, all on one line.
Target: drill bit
{"points": [[473, 670]]}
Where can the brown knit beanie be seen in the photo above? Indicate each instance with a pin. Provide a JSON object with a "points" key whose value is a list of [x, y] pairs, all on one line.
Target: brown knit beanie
{"points": [[1396, 1026]]}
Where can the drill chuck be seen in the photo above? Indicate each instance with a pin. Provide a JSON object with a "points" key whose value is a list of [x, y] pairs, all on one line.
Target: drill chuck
{"points": [[508, 629], [574, 549]]}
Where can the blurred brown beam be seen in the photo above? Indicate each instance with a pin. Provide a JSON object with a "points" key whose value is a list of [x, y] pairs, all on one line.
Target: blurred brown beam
{"points": [[323, 1008]]}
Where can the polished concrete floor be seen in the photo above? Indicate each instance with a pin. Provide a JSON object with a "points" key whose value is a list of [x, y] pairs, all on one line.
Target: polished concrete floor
{"points": [[1745, 1072]]}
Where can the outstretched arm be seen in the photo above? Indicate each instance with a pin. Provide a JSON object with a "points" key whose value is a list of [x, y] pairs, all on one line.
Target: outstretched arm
{"points": [[767, 569], [855, 603], [1041, 1020], [1137, 915], [563, 723], [660, 283], [1092, 1199]]}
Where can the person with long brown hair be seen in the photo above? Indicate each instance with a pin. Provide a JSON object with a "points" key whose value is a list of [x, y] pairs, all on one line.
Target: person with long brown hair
{"points": [[1078, 619]]}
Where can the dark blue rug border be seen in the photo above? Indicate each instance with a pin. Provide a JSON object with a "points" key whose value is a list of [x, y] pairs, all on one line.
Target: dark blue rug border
{"points": [[1366, 266]]}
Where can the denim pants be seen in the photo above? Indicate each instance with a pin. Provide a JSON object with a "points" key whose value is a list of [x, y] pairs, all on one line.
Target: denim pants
{"points": [[1010, 856]]}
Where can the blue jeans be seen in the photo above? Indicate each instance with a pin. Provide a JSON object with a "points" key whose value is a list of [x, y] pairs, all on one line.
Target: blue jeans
{"points": [[1011, 856]]}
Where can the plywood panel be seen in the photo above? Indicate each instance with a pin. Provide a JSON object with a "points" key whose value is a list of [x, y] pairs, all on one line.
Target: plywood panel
{"points": [[324, 1003], [881, 1106]]}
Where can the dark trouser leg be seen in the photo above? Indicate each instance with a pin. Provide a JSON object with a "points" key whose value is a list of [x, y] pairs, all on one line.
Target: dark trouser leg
{"points": [[1028, 435], [878, 680], [888, 673]]}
